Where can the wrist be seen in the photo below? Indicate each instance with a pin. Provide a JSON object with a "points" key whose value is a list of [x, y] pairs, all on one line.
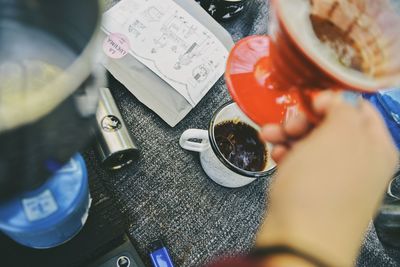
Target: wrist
{"points": [[307, 241], [286, 260]]}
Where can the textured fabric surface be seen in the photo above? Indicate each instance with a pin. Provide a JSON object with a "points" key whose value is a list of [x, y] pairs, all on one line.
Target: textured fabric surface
{"points": [[167, 195]]}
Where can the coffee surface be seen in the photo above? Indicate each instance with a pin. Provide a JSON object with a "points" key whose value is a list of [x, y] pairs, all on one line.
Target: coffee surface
{"points": [[240, 145]]}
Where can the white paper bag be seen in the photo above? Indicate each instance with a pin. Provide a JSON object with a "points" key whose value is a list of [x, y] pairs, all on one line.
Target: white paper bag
{"points": [[167, 53]]}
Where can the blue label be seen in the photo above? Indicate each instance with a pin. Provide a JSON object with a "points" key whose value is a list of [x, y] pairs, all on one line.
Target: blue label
{"points": [[40, 206], [161, 258]]}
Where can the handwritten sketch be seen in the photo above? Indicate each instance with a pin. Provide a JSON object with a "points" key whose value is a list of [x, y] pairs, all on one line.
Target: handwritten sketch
{"points": [[170, 42]]}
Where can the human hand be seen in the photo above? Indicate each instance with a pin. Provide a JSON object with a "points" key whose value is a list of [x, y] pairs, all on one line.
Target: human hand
{"points": [[284, 136], [330, 181]]}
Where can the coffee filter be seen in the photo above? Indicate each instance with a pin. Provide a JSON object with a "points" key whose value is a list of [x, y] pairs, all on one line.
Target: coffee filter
{"points": [[373, 25]]}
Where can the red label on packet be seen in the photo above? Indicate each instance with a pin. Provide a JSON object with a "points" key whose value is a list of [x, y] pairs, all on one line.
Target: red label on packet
{"points": [[116, 45]]}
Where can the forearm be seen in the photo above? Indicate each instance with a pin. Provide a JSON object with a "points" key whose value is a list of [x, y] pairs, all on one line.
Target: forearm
{"points": [[276, 260], [330, 182], [313, 230]]}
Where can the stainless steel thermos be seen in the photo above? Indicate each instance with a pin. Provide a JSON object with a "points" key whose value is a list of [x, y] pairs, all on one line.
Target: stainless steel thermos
{"points": [[224, 9], [115, 144]]}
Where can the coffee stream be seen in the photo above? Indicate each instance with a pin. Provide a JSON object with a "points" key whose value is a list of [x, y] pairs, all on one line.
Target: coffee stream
{"points": [[240, 145]]}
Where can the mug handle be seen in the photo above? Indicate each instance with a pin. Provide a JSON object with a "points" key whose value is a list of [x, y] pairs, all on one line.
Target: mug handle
{"points": [[202, 135]]}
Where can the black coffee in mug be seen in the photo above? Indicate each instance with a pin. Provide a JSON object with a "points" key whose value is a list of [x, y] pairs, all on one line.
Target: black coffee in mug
{"points": [[241, 145]]}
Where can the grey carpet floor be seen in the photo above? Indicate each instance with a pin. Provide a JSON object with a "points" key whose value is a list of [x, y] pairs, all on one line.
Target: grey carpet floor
{"points": [[167, 195]]}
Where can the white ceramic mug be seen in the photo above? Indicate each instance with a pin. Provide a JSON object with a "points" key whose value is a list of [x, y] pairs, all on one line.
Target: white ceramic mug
{"points": [[216, 166]]}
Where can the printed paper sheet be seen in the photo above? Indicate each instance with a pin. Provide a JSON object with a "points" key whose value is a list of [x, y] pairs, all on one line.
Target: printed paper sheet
{"points": [[170, 42]]}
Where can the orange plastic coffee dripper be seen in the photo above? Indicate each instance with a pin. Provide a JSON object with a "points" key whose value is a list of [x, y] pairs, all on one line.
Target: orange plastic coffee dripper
{"points": [[273, 77]]}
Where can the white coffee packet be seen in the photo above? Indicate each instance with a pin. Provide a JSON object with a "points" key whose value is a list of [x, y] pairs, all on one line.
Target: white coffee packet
{"points": [[167, 53]]}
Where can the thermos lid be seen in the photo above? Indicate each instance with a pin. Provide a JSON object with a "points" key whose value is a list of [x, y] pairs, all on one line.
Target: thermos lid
{"points": [[50, 204]]}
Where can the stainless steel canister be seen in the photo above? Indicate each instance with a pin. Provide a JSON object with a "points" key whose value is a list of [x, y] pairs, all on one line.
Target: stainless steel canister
{"points": [[224, 9], [115, 144]]}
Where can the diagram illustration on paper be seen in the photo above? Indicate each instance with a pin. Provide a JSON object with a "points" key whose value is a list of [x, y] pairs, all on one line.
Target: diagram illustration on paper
{"points": [[170, 42]]}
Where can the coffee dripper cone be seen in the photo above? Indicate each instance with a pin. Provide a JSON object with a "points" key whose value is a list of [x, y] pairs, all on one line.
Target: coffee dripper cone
{"points": [[314, 45]]}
